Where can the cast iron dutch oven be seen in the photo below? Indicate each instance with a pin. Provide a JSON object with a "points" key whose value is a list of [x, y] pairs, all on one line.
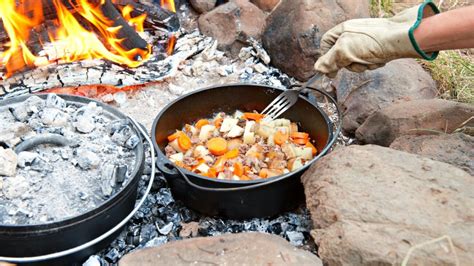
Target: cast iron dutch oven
{"points": [[238, 199], [70, 241]]}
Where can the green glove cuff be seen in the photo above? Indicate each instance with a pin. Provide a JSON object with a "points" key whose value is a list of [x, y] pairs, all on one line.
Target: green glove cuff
{"points": [[435, 9]]}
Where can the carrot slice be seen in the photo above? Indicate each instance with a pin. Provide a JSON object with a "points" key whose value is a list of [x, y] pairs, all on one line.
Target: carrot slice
{"points": [[201, 123], [174, 136], [232, 154], [263, 173], [253, 116], [300, 141], [219, 165], [299, 135], [310, 145], [245, 178], [218, 122], [246, 169], [212, 172], [184, 142], [280, 137], [217, 146], [238, 169]]}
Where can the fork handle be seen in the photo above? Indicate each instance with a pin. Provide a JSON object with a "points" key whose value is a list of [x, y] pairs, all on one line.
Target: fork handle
{"points": [[310, 81]]}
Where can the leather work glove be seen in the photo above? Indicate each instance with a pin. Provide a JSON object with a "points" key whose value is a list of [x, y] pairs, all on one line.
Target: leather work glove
{"points": [[361, 44]]}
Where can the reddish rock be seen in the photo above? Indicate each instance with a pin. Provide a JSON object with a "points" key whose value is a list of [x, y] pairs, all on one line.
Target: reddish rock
{"points": [[229, 249], [370, 205], [295, 27], [418, 117], [203, 6], [456, 149], [362, 94], [266, 5], [231, 21]]}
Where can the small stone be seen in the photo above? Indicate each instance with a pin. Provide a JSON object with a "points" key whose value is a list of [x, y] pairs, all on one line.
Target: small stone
{"points": [[19, 112], [245, 53], [157, 241], [121, 173], [203, 6], [296, 238], [54, 117], [176, 90], [93, 260], [260, 68], [189, 229], [107, 98], [112, 256], [87, 159], [120, 98], [8, 162], [166, 229], [14, 187], [197, 68], [132, 142], [53, 100], [84, 118], [26, 158]]}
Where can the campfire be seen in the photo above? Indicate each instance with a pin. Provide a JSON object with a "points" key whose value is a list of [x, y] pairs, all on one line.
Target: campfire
{"points": [[41, 37]]}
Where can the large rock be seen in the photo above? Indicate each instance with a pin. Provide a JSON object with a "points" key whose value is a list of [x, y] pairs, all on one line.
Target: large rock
{"points": [[370, 205], [229, 249], [294, 30], [361, 94], [456, 149], [266, 5], [203, 6], [418, 117], [232, 21]]}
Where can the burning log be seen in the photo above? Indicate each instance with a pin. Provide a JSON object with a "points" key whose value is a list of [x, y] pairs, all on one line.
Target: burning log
{"points": [[131, 39]]}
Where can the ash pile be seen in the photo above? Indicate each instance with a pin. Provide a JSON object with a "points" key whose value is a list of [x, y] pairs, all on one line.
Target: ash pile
{"points": [[60, 159]]}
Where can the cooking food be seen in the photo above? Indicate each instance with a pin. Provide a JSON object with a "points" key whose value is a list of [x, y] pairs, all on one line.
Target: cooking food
{"points": [[240, 147]]}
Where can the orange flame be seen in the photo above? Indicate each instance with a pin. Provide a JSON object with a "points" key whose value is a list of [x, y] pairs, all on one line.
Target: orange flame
{"points": [[70, 40], [168, 4]]}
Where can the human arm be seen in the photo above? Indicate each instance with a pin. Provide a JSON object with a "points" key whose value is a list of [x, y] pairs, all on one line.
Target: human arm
{"points": [[453, 29], [361, 44]]}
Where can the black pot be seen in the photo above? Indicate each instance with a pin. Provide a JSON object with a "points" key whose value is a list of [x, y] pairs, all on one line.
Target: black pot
{"points": [[237, 199], [20, 241]]}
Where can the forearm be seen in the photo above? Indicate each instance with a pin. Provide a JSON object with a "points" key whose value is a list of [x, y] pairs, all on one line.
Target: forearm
{"points": [[449, 30]]}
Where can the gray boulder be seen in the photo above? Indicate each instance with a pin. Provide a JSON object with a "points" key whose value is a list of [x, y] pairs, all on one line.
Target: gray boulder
{"points": [[362, 94], [371, 205]]}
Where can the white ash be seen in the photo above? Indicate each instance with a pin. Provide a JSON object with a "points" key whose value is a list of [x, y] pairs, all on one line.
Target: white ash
{"points": [[50, 183]]}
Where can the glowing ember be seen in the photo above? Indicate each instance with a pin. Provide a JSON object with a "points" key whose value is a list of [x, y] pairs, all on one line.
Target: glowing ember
{"points": [[69, 39]]}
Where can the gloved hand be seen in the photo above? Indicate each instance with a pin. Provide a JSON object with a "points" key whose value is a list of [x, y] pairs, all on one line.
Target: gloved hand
{"points": [[361, 44]]}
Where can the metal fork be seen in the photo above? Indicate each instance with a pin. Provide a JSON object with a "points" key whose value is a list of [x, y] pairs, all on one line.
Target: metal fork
{"points": [[285, 100]]}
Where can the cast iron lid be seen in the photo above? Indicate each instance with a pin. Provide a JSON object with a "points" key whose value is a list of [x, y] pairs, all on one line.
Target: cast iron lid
{"points": [[139, 153]]}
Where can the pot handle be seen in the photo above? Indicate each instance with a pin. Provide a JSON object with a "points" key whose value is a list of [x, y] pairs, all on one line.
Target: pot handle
{"points": [[106, 234], [335, 133]]}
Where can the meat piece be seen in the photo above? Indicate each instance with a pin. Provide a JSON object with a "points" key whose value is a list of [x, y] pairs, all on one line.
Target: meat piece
{"points": [[169, 151], [190, 161], [278, 164], [195, 140], [244, 148], [253, 176]]}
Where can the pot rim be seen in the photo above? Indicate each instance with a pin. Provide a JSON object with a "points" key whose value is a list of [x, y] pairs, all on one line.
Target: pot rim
{"points": [[71, 221], [162, 157]]}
